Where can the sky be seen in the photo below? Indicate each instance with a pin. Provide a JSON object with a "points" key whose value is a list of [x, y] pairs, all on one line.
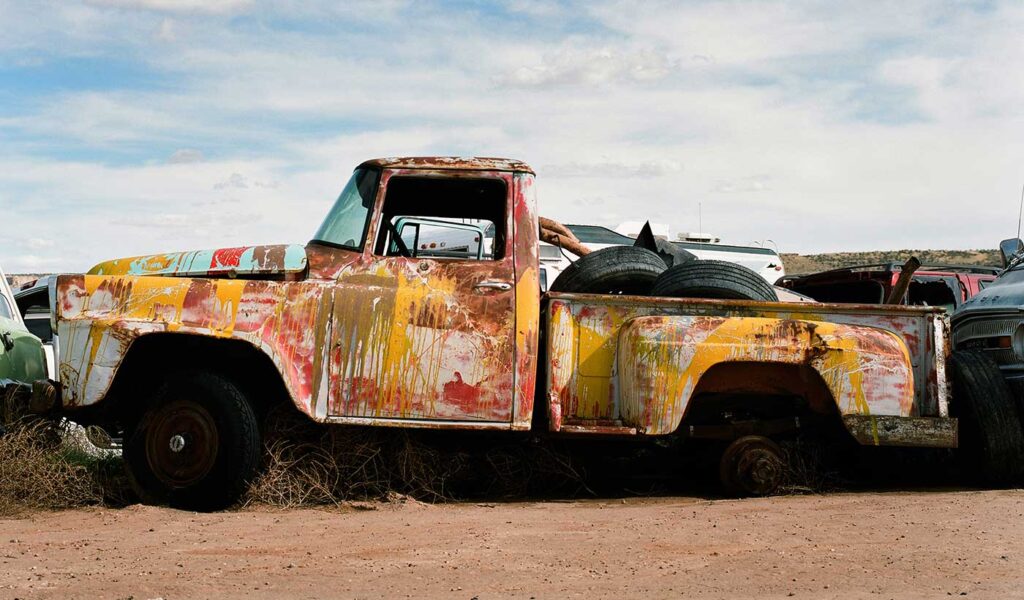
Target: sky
{"points": [[131, 127]]}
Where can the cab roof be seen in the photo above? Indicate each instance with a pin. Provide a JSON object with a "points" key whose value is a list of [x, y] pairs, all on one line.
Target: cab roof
{"points": [[469, 163]]}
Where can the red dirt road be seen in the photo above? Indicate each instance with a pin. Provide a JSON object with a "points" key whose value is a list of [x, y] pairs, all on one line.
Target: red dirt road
{"points": [[855, 545]]}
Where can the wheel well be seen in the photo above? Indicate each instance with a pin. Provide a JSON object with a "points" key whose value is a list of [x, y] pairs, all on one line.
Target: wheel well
{"points": [[152, 357], [748, 392]]}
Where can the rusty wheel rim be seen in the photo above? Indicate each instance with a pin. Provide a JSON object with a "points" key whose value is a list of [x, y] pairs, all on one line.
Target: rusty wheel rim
{"points": [[753, 465], [181, 443]]}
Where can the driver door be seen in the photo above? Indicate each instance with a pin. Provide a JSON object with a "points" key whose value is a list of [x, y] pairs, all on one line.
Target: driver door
{"points": [[423, 326]]}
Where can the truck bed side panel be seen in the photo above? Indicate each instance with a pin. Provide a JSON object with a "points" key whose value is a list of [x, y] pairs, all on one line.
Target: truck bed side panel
{"points": [[584, 336]]}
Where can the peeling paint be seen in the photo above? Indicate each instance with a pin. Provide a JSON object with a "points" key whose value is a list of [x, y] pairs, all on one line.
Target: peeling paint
{"points": [[636, 362], [224, 262]]}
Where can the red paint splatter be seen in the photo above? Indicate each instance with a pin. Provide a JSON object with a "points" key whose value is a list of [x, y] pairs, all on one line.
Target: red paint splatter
{"points": [[464, 395], [226, 257]]}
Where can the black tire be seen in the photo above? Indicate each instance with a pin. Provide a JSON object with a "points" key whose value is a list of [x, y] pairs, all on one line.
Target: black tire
{"points": [[713, 279], [991, 441], [196, 446], [613, 270], [753, 465]]}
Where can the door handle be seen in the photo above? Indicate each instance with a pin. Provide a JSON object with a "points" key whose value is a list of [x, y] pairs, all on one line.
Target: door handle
{"points": [[494, 285], [7, 340]]}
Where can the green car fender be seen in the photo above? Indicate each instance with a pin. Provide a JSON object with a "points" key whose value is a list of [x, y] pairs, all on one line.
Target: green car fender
{"points": [[21, 353]]}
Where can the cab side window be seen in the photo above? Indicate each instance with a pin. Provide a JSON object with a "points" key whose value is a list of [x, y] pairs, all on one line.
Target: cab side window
{"points": [[443, 218]]}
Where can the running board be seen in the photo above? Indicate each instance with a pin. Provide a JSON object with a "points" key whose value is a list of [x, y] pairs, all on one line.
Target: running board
{"points": [[920, 432]]}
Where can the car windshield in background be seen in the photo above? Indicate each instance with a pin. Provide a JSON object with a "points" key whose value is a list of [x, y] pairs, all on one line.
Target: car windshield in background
{"points": [[345, 226], [5, 308]]}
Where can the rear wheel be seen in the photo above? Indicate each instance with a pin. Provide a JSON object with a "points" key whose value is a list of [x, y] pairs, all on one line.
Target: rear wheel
{"points": [[713, 279], [991, 440], [196, 446], [753, 465], [613, 270]]}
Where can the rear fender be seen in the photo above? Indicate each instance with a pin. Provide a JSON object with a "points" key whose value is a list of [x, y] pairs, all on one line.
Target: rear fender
{"points": [[660, 361]]}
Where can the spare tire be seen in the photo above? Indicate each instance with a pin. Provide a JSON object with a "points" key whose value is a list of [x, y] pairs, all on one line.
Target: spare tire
{"points": [[713, 279], [613, 270], [991, 436]]}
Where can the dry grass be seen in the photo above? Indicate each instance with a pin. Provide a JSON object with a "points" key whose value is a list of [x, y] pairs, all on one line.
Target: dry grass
{"points": [[309, 464], [808, 470], [43, 468], [35, 473]]}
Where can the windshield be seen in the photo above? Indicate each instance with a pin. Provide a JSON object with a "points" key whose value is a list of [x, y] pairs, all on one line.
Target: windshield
{"points": [[345, 226]]}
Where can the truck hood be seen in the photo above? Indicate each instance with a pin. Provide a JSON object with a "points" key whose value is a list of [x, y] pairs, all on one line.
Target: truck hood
{"points": [[1004, 295], [246, 262]]}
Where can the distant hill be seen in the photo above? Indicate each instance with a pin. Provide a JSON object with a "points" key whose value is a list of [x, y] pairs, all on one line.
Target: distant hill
{"points": [[797, 264]]}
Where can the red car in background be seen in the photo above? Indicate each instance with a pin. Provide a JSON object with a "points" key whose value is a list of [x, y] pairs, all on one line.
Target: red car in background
{"points": [[947, 286]]}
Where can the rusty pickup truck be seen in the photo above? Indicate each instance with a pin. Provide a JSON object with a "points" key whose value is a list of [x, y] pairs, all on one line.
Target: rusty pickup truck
{"points": [[417, 304]]}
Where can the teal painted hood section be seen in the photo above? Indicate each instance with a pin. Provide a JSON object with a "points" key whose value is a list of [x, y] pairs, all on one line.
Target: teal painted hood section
{"points": [[244, 261]]}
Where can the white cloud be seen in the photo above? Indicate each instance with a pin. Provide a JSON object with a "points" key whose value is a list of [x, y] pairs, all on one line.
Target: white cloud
{"points": [[101, 118], [751, 97], [177, 6], [753, 183], [746, 33], [612, 169], [236, 180], [583, 66], [167, 30], [239, 181], [186, 156], [36, 243]]}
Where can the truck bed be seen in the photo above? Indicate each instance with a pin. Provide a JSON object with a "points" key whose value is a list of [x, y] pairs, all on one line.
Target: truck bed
{"points": [[596, 380]]}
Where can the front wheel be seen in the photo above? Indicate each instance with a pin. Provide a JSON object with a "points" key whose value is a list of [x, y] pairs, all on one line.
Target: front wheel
{"points": [[196, 446], [991, 445]]}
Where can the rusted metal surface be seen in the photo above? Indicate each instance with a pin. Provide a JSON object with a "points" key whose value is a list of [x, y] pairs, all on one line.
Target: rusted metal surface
{"points": [[440, 163], [100, 316], [417, 338], [881, 430], [362, 338], [636, 361], [558, 240], [899, 290], [527, 313], [245, 261]]}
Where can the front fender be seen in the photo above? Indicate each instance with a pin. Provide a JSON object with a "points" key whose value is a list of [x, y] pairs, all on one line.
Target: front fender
{"points": [[100, 317], [661, 359]]}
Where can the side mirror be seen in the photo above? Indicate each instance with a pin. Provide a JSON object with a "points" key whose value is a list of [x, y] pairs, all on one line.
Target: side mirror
{"points": [[1009, 248]]}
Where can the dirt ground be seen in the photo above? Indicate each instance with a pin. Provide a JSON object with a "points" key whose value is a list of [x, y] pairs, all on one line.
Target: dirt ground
{"points": [[851, 545]]}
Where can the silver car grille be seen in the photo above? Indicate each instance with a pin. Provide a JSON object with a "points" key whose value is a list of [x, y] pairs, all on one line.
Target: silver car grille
{"points": [[990, 327]]}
